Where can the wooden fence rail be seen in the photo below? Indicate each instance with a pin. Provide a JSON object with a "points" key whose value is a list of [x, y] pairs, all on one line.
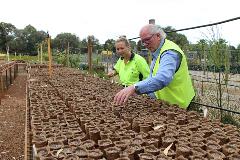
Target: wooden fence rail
{"points": [[8, 72]]}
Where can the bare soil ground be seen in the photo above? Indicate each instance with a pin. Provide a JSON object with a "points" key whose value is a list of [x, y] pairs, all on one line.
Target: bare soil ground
{"points": [[12, 120]]}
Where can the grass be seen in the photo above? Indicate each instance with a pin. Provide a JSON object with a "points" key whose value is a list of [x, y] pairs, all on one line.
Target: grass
{"points": [[20, 57]]}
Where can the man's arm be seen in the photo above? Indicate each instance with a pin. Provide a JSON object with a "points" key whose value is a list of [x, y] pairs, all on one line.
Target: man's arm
{"points": [[169, 63]]}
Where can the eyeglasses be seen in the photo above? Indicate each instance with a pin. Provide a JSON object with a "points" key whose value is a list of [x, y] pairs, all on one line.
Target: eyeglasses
{"points": [[146, 41]]}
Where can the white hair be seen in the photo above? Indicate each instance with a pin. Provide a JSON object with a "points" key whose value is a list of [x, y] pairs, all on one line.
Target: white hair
{"points": [[153, 29]]}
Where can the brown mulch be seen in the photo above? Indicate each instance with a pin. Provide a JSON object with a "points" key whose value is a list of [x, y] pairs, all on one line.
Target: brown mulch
{"points": [[12, 120]]}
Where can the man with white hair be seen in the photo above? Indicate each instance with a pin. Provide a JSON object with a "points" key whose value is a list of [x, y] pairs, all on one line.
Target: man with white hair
{"points": [[169, 78]]}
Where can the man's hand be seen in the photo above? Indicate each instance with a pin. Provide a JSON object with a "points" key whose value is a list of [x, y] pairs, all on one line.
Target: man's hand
{"points": [[122, 96], [112, 73]]}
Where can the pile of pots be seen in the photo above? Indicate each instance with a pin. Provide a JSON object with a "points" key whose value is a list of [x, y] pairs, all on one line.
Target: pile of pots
{"points": [[73, 117]]}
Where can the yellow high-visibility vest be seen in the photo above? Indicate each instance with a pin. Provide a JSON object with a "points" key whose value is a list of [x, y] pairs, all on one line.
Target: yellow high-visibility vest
{"points": [[180, 90], [129, 73]]}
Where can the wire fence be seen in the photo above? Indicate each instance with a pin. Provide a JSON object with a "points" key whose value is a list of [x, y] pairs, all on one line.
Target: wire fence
{"points": [[213, 92], [206, 84], [200, 26]]}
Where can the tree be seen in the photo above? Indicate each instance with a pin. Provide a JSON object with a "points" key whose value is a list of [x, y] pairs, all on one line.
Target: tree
{"points": [[7, 31], [61, 41], [40, 36], [178, 38], [31, 39], [18, 44], [109, 45], [235, 56], [133, 45], [95, 42], [83, 46], [238, 47], [26, 40], [201, 48], [140, 46], [218, 52]]}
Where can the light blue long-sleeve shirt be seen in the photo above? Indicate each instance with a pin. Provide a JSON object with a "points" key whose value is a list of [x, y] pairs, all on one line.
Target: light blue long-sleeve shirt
{"points": [[169, 64]]}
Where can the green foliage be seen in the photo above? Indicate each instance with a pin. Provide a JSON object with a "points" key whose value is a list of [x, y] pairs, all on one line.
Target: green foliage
{"points": [[74, 60], [238, 47], [109, 45], [95, 44], [84, 43], [60, 58], [45, 56], [218, 54], [178, 38], [97, 69], [215, 55], [24, 58], [7, 31], [32, 37], [61, 42], [139, 46], [100, 73], [133, 45], [27, 40]]}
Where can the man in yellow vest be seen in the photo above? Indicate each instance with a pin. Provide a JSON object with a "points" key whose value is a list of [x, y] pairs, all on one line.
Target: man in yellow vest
{"points": [[169, 78]]}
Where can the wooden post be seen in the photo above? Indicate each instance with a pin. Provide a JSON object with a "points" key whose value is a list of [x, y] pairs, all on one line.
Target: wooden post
{"points": [[103, 60], [10, 74], [1, 91], [14, 71], [27, 146], [107, 61], [41, 53], [89, 54], [151, 21], [2, 87], [49, 56], [68, 55], [8, 53], [38, 53], [6, 82]]}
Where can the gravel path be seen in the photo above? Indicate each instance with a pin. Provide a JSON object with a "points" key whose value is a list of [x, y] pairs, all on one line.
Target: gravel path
{"points": [[12, 120]]}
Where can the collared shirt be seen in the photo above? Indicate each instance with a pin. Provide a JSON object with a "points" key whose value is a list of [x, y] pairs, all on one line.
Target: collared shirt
{"points": [[133, 71], [169, 64]]}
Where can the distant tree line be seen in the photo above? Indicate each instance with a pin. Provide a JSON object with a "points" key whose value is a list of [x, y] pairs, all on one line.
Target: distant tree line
{"points": [[28, 40]]}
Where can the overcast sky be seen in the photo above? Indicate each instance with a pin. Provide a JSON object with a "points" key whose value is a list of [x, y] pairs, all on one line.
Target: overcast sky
{"points": [[107, 19]]}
